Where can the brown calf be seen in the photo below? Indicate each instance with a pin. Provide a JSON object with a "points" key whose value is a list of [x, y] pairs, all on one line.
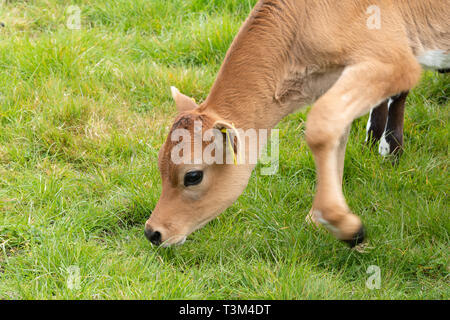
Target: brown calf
{"points": [[345, 57]]}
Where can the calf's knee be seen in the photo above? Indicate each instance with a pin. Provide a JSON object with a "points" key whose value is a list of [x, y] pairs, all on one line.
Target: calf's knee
{"points": [[322, 133]]}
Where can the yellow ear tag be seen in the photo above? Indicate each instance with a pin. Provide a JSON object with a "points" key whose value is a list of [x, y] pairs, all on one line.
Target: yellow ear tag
{"points": [[230, 145]]}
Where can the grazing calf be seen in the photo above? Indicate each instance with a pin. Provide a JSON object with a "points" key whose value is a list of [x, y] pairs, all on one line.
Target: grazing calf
{"points": [[345, 57]]}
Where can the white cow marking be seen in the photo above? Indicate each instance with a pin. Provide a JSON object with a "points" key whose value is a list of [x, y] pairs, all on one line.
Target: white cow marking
{"points": [[435, 59], [369, 123], [384, 148]]}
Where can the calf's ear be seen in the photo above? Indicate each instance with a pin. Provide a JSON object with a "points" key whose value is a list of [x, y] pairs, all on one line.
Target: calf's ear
{"points": [[231, 139], [183, 102]]}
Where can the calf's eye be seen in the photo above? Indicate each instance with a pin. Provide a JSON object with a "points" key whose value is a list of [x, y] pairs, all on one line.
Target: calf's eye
{"points": [[193, 178]]}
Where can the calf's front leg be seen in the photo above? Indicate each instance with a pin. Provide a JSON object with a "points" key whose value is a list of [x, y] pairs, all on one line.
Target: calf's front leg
{"points": [[326, 128], [311, 218]]}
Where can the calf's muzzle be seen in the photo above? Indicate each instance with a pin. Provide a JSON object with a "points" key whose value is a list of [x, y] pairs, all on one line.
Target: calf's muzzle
{"points": [[153, 236]]}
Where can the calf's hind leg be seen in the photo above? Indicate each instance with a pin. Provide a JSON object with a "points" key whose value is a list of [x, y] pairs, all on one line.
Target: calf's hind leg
{"points": [[326, 126]]}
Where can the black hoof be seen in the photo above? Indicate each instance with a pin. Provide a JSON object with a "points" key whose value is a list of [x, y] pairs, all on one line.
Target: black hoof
{"points": [[357, 238]]}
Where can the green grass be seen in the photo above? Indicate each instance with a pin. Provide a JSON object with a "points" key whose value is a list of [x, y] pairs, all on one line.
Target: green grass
{"points": [[82, 116]]}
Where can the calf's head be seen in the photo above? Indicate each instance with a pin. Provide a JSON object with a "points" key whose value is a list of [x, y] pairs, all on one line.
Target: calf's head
{"points": [[196, 185]]}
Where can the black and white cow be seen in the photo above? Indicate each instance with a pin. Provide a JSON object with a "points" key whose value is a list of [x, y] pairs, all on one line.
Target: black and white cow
{"points": [[385, 124]]}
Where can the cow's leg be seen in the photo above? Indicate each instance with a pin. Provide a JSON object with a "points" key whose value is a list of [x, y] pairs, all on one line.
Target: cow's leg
{"points": [[392, 140], [311, 218], [327, 122], [376, 123]]}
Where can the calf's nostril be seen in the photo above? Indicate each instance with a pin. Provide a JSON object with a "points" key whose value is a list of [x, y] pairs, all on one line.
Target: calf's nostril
{"points": [[153, 236]]}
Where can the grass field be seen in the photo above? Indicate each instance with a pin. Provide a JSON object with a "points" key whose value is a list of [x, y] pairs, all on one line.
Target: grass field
{"points": [[82, 116]]}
